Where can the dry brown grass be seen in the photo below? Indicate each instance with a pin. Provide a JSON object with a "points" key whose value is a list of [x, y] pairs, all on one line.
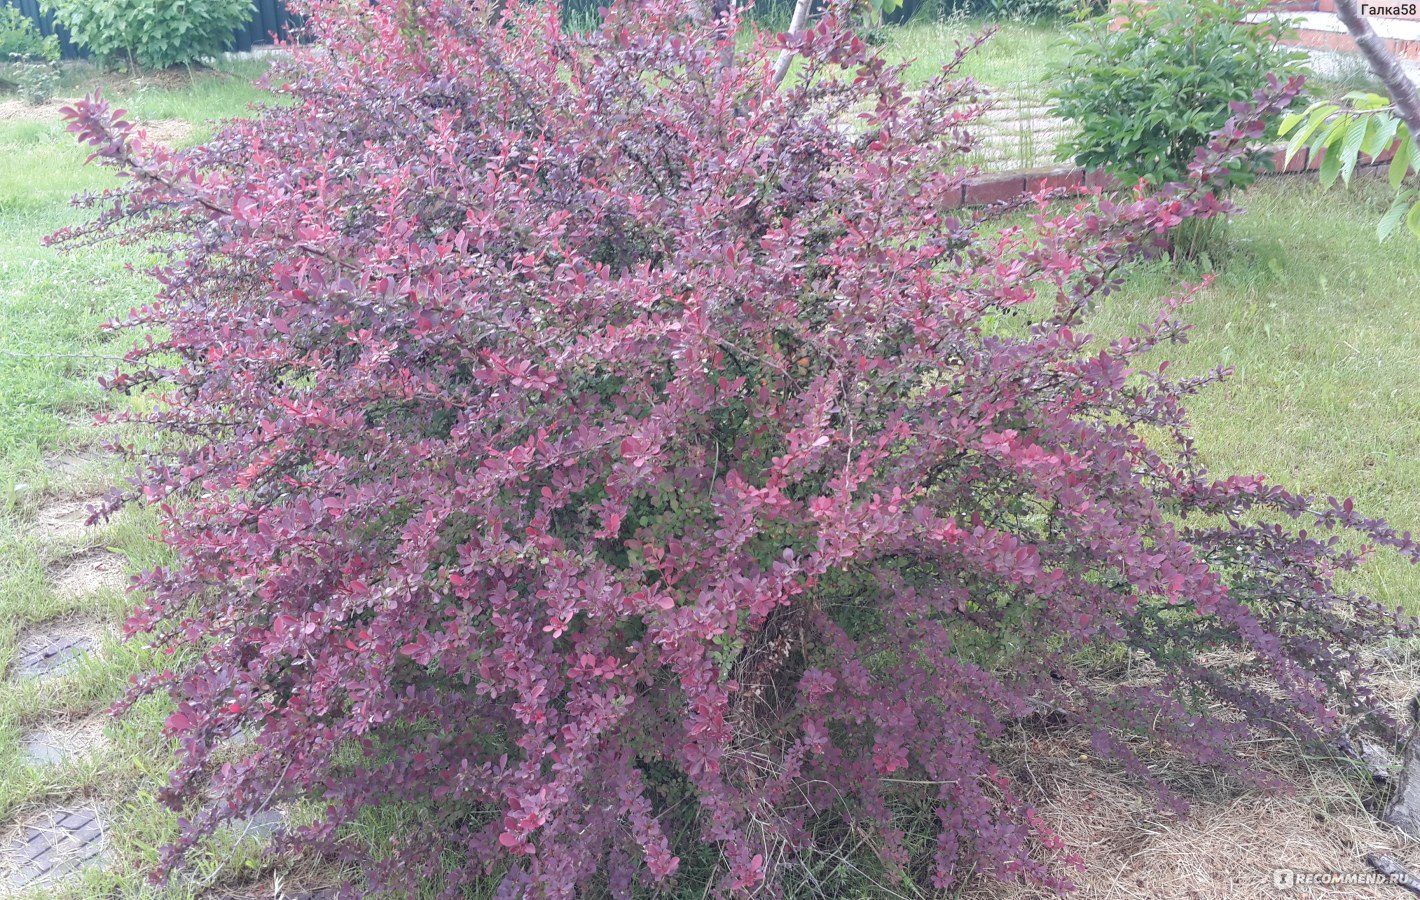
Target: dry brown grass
{"points": [[20, 111], [89, 573], [166, 131], [1234, 836]]}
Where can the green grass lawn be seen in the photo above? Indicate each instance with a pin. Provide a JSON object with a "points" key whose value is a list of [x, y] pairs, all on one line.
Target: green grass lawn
{"points": [[51, 352], [1316, 318], [1017, 53]]}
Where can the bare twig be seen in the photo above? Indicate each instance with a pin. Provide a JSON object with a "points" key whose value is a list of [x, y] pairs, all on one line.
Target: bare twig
{"points": [[1398, 874]]}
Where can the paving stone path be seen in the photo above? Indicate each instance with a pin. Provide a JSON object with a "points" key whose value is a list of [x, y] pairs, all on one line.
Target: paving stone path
{"points": [[263, 824], [44, 748], [52, 844], [55, 844], [55, 651]]}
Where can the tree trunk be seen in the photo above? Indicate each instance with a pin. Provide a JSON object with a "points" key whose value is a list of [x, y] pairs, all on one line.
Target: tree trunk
{"points": [[1403, 811], [719, 13], [1384, 64], [723, 12], [796, 24]]}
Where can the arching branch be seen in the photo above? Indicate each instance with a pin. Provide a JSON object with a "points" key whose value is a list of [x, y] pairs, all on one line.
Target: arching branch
{"points": [[1384, 64]]}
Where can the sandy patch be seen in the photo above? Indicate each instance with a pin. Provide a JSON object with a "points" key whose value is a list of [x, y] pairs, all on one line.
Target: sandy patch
{"points": [[164, 131], [89, 573], [20, 111], [65, 520]]}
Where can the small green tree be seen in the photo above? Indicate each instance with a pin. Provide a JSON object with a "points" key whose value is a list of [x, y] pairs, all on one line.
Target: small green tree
{"points": [[1031, 10], [21, 39], [1146, 93], [156, 34], [29, 60]]}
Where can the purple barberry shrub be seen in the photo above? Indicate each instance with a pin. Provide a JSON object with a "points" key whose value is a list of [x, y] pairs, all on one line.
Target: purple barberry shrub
{"points": [[639, 472]]}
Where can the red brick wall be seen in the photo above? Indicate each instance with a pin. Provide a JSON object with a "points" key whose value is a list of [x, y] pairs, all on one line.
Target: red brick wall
{"points": [[1343, 43], [1005, 187]]}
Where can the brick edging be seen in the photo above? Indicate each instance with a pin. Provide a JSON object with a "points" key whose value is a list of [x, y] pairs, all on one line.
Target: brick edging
{"points": [[982, 190]]}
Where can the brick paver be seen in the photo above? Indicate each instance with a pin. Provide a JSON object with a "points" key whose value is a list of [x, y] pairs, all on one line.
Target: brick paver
{"points": [[58, 742], [261, 825], [54, 845], [43, 748], [51, 653]]}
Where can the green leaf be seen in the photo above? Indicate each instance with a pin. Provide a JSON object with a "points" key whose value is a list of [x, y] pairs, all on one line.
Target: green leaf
{"points": [[1330, 167], [1351, 146], [1317, 115], [1412, 220], [1382, 137], [1324, 136], [1300, 138], [1289, 121], [1320, 112], [1366, 100], [1395, 215], [1400, 163], [1339, 126]]}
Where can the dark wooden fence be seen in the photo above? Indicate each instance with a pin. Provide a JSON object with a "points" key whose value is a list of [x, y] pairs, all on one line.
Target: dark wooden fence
{"points": [[268, 17]]}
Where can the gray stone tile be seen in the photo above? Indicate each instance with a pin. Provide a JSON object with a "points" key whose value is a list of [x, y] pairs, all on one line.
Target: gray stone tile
{"points": [[52, 652], [41, 748], [56, 743], [53, 845]]}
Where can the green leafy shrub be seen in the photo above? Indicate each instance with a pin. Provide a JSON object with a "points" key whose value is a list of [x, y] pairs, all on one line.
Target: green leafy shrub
{"points": [[21, 40], [1014, 10], [152, 33], [1146, 95], [29, 60], [36, 80]]}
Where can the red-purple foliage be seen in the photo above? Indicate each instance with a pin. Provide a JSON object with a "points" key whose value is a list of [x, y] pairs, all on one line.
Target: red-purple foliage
{"points": [[620, 459]]}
